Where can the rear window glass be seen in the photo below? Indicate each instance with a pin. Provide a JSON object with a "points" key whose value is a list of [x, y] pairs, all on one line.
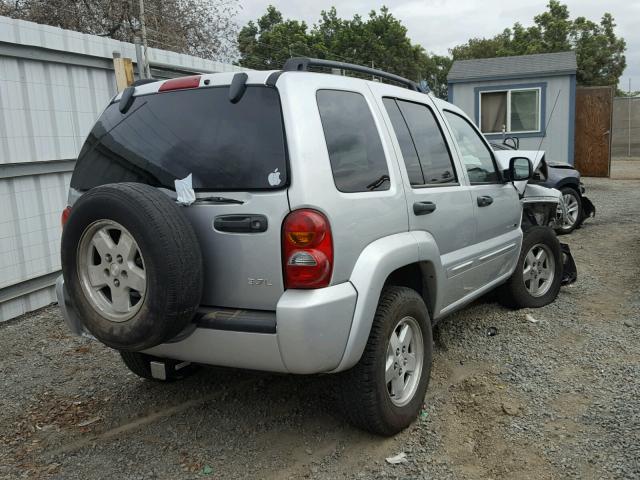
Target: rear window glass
{"points": [[167, 136], [355, 150]]}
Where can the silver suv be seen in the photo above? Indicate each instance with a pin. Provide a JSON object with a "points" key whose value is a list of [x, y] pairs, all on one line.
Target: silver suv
{"points": [[335, 220]]}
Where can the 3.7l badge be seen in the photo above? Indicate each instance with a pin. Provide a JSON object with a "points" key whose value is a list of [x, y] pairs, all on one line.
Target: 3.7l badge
{"points": [[260, 281]]}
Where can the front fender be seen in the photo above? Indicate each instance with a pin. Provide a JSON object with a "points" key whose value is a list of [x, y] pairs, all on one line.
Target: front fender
{"points": [[376, 262]]}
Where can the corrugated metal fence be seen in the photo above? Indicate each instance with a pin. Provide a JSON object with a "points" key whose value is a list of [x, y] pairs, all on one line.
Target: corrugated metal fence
{"points": [[625, 140], [53, 85]]}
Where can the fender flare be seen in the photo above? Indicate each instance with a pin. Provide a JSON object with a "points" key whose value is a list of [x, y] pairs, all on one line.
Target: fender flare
{"points": [[376, 262]]}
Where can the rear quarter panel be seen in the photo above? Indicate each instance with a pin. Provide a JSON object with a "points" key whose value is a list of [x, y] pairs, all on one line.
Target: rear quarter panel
{"points": [[356, 219]]}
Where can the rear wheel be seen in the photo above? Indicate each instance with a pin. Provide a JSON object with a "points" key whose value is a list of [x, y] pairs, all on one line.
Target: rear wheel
{"points": [[384, 392], [573, 206], [159, 369], [538, 274]]}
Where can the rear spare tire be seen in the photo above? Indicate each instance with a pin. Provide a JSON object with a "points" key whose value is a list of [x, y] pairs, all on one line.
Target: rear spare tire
{"points": [[132, 265]]}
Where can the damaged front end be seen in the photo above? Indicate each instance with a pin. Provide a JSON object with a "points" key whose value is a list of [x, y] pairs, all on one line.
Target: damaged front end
{"points": [[588, 208], [543, 206]]}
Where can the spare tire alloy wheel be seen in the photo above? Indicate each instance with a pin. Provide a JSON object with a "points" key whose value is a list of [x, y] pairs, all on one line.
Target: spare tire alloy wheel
{"points": [[539, 270], [132, 265], [111, 270], [405, 356]]}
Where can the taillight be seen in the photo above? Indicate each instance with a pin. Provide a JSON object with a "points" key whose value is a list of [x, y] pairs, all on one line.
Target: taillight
{"points": [[180, 83], [307, 249], [65, 216]]}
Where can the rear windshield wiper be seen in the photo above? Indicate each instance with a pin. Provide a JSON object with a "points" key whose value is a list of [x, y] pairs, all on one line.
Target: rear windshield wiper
{"points": [[378, 183], [218, 200]]}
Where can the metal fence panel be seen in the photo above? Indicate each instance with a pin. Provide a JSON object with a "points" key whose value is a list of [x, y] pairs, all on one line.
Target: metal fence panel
{"points": [[625, 140], [54, 84]]}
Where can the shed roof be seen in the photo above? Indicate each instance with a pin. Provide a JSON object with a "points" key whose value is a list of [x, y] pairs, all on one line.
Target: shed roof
{"points": [[538, 65]]}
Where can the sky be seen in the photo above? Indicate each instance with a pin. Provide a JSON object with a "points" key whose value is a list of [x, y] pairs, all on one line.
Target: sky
{"points": [[438, 25]]}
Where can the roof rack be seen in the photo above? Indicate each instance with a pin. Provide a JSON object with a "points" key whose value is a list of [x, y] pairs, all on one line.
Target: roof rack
{"points": [[302, 64]]}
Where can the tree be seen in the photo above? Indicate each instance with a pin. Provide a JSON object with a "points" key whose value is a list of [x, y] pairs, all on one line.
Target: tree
{"points": [[267, 43], [599, 52], [379, 40], [203, 28]]}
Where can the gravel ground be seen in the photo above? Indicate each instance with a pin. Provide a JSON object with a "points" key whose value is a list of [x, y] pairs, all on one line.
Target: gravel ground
{"points": [[558, 398]]}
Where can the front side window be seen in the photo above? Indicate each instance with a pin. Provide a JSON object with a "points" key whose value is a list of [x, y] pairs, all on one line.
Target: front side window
{"points": [[423, 146], [511, 111], [355, 151], [476, 156]]}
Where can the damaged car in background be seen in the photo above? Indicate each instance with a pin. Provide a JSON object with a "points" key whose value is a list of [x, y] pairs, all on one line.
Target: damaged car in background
{"points": [[564, 177]]}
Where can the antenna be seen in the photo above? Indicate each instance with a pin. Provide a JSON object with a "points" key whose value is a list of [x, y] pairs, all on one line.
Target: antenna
{"points": [[544, 132]]}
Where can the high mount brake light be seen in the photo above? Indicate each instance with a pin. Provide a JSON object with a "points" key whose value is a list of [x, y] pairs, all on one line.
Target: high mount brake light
{"points": [[180, 83], [307, 249]]}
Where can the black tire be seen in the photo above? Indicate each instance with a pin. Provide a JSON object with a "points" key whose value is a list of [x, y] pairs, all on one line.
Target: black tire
{"points": [[514, 293], [140, 364], [362, 391], [172, 264], [564, 230]]}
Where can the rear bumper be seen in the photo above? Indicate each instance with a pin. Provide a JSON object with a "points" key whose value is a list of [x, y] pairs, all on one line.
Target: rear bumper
{"points": [[312, 328]]}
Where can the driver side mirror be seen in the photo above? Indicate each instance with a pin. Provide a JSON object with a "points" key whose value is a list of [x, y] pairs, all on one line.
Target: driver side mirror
{"points": [[520, 168]]}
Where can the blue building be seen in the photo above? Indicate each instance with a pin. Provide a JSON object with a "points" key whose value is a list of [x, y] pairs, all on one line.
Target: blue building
{"points": [[531, 97]]}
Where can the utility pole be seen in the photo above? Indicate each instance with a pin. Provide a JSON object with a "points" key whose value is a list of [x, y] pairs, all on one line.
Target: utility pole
{"points": [[139, 58], [147, 70]]}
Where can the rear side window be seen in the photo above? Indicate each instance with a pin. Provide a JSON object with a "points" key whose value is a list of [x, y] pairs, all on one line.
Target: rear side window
{"points": [[355, 150], [167, 136], [423, 146]]}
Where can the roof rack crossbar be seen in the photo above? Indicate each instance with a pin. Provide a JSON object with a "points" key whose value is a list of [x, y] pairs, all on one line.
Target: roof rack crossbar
{"points": [[302, 64]]}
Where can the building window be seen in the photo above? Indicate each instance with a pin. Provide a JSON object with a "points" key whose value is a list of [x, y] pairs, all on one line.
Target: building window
{"points": [[512, 111]]}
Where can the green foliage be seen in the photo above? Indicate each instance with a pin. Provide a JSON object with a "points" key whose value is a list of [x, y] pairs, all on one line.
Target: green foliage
{"points": [[599, 52], [380, 40], [204, 28]]}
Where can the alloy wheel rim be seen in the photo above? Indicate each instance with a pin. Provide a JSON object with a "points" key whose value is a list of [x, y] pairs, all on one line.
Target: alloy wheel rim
{"points": [[404, 361], [538, 271], [111, 270], [571, 210]]}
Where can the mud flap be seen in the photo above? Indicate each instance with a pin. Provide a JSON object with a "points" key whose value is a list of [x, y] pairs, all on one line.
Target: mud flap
{"points": [[569, 270], [588, 208]]}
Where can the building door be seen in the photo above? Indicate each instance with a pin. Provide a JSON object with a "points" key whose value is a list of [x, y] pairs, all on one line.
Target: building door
{"points": [[594, 108]]}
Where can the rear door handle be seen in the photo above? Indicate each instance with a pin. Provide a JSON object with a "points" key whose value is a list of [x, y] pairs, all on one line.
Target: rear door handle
{"points": [[485, 201], [423, 208], [241, 223]]}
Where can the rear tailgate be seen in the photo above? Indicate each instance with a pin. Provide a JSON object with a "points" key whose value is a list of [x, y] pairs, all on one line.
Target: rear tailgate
{"points": [[242, 269], [234, 151]]}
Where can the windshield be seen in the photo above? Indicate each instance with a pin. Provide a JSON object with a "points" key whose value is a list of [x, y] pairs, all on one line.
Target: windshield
{"points": [[167, 136]]}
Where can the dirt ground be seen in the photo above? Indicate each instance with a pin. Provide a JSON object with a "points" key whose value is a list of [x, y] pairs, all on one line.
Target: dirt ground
{"points": [[552, 395], [625, 168]]}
